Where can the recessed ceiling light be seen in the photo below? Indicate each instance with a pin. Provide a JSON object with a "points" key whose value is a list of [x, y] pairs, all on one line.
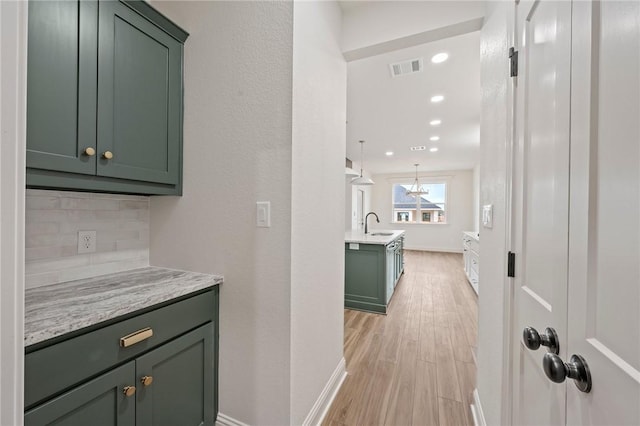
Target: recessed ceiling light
{"points": [[440, 57], [434, 138], [433, 149], [435, 122], [388, 153], [437, 98]]}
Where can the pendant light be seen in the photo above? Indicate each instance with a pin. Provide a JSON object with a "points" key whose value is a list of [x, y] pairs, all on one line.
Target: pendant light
{"points": [[361, 180], [416, 190]]}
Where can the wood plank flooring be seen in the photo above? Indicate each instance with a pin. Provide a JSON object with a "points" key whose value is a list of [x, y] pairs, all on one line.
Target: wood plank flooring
{"points": [[415, 365]]}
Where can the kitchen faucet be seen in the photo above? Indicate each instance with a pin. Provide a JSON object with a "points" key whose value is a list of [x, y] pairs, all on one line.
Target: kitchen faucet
{"points": [[366, 227]]}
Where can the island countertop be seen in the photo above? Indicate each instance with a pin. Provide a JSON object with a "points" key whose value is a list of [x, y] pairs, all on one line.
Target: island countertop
{"points": [[53, 310], [371, 238]]}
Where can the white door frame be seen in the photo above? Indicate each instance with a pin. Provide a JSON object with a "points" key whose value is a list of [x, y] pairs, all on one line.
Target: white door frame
{"points": [[508, 297], [13, 77]]}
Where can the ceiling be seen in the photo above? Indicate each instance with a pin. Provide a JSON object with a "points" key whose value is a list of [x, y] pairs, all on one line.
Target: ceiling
{"points": [[393, 114]]}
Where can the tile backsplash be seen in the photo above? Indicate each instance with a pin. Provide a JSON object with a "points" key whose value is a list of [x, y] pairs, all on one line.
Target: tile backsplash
{"points": [[53, 219]]}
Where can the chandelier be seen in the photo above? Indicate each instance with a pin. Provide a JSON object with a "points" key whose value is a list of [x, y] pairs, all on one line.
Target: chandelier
{"points": [[416, 190]]}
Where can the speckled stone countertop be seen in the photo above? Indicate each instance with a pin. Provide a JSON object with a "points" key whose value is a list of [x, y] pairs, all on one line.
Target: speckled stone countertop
{"points": [[474, 235], [54, 310]]}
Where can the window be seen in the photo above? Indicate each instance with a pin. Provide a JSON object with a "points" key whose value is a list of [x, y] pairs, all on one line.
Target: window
{"points": [[428, 208]]}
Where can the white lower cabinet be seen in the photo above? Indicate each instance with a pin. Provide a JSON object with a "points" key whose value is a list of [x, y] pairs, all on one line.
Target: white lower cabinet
{"points": [[471, 257]]}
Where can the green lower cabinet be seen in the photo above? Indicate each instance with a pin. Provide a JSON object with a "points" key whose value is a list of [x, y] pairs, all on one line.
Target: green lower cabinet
{"points": [[174, 385], [182, 390], [99, 402], [365, 277], [371, 272], [173, 370]]}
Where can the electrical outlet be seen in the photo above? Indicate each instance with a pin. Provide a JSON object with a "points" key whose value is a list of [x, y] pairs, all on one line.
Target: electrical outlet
{"points": [[86, 242]]}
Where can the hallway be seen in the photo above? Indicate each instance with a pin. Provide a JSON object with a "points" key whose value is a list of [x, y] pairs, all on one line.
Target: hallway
{"points": [[414, 366]]}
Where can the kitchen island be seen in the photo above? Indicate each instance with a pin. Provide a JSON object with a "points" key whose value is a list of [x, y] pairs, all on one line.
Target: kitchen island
{"points": [[374, 263]]}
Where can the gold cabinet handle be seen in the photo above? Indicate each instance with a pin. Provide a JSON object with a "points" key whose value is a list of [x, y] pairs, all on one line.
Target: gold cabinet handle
{"points": [[107, 155], [136, 337], [129, 390], [146, 380], [89, 152]]}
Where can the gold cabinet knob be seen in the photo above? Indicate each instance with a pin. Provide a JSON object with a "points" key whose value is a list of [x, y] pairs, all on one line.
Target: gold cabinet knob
{"points": [[89, 152], [108, 155], [146, 380], [129, 390]]}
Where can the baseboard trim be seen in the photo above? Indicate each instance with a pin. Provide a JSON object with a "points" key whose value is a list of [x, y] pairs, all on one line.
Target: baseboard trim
{"points": [[476, 410], [328, 394], [224, 420], [434, 249]]}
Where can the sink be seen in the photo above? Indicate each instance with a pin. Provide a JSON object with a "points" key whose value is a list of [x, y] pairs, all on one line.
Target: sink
{"points": [[386, 234]]}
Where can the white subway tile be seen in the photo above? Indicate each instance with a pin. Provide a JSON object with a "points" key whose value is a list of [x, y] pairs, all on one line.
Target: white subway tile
{"points": [[134, 205], [41, 228], [53, 219], [48, 265], [42, 203], [88, 204]]}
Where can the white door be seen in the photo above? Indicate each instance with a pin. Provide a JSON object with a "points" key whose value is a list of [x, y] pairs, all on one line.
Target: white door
{"points": [[576, 223], [604, 244], [541, 202]]}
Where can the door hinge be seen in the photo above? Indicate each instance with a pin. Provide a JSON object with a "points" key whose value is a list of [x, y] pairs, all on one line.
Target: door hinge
{"points": [[513, 56], [511, 264]]}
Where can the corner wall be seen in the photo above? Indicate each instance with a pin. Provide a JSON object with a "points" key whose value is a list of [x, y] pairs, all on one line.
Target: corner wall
{"points": [[318, 202], [13, 127], [237, 150]]}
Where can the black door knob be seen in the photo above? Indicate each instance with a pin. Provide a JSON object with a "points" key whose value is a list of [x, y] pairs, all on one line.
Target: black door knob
{"points": [[577, 369], [532, 339]]}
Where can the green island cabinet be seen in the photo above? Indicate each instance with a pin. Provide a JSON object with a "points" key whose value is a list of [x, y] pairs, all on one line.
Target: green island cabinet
{"points": [[89, 378], [104, 97], [372, 272]]}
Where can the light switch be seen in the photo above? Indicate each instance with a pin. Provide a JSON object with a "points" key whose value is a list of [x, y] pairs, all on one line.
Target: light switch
{"points": [[487, 216], [263, 214]]}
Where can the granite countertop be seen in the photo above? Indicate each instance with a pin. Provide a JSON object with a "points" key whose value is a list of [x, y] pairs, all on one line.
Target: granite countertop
{"points": [[54, 310], [362, 238], [474, 235]]}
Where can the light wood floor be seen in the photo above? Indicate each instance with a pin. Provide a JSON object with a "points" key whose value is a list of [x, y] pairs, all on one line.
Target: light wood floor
{"points": [[415, 365]]}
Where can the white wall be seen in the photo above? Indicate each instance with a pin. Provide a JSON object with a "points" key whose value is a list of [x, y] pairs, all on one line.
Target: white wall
{"points": [[476, 198], [13, 96], [435, 237], [237, 150], [369, 23], [492, 379], [265, 109], [317, 229]]}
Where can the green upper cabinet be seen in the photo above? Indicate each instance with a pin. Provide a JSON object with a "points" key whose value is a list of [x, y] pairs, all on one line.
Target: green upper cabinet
{"points": [[62, 86], [106, 76]]}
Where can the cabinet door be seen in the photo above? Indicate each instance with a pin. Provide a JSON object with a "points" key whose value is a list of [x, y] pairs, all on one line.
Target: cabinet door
{"points": [[182, 387], [61, 85], [365, 277], [100, 402], [139, 97]]}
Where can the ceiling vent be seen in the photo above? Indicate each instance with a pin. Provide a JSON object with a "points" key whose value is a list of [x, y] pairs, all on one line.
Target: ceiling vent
{"points": [[418, 148], [406, 67]]}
